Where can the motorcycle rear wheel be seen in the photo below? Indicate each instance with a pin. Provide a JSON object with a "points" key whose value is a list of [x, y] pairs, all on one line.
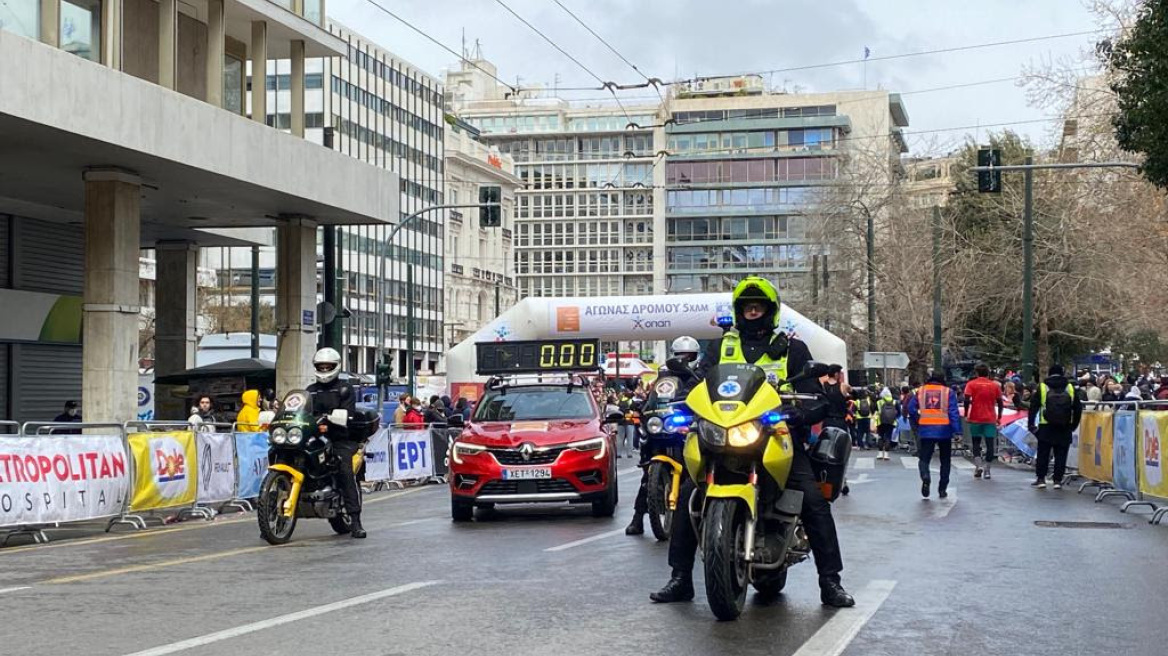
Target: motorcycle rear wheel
{"points": [[724, 551], [659, 486], [275, 528]]}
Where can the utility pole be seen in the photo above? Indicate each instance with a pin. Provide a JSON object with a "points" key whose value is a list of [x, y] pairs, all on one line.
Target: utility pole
{"points": [[1028, 274], [871, 281], [1028, 243], [938, 364], [330, 282], [255, 302]]}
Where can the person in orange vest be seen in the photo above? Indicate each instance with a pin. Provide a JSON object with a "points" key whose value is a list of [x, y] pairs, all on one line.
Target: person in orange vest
{"points": [[933, 412]]}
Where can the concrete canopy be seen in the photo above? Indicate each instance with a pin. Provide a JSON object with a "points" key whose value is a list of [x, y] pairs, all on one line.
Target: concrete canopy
{"points": [[201, 166]]}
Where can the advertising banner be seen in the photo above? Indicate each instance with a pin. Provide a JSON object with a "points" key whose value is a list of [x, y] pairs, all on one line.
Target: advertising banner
{"points": [[1153, 427], [1095, 438], [1123, 451], [216, 467], [251, 456], [49, 479], [165, 467], [411, 454], [377, 457]]}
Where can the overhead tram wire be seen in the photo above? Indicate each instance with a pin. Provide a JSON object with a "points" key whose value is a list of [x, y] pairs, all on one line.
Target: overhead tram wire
{"points": [[514, 89], [654, 81]]}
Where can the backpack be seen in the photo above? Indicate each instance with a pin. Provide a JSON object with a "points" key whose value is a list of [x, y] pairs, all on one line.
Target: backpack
{"points": [[1059, 408], [865, 408], [888, 414]]}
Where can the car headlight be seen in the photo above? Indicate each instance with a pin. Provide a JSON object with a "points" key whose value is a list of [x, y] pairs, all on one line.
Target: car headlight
{"points": [[654, 425], [594, 444], [712, 434], [295, 436], [279, 436], [744, 434], [463, 449]]}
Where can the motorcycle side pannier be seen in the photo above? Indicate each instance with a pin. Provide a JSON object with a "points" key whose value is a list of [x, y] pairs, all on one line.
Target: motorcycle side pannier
{"points": [[829, 460]]}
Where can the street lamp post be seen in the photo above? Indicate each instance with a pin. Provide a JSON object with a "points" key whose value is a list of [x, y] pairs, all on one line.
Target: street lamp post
{"points": [[385, 246]]}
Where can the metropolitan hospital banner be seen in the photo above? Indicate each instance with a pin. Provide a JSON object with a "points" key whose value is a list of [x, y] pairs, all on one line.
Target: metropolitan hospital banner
{"points": [[49, 479]]}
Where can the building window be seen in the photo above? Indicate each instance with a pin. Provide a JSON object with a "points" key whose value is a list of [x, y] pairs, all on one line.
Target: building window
{"points": [[81, 28], [22, 17], [232, 84]]}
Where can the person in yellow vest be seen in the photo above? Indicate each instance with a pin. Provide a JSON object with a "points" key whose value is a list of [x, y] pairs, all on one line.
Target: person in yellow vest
{"points": [[1054, 416], [933, 412], [756, 339]]}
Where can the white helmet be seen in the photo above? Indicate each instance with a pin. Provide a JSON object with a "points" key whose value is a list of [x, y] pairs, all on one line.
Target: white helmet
{"points": [[685, 346], [327, 363]]}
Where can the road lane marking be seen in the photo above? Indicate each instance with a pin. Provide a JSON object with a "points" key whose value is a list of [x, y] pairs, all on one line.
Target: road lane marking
{"points": [[943, 507], [864, 463], [17, 589], [911, 463], [908, 462], [160, 565], [594, 538], [400, 494], [834, 637], [281, 620], [626, 472]]}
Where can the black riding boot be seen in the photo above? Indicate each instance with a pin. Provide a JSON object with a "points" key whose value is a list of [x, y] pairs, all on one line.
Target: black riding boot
{"points": [[637, 526], [357, 531], [679, 588]]}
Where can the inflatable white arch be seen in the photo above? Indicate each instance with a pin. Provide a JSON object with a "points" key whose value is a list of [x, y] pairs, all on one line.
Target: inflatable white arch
{"points": [[625, 318]]}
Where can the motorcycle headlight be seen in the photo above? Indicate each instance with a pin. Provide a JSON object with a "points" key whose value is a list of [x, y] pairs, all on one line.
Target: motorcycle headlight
{"points": [[279, 436], [712, 434], [295, 436], [594, 444], [744, 434], [654, 425], [464, 449]]}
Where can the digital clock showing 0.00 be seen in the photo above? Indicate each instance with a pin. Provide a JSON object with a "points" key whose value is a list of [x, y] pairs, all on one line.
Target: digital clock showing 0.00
{"points": [[537, 355]]}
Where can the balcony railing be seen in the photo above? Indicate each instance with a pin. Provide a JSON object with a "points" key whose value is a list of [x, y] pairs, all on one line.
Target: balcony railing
{"points": [[456, 217], [457, 269]]}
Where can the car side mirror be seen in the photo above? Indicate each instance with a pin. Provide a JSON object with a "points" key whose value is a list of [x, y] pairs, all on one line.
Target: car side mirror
{"points": [[614, 418], [455, 421]]}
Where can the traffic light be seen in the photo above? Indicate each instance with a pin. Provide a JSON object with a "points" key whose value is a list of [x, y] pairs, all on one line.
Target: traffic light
{"points": [[989, 181], [490, 217], [382, 374]]}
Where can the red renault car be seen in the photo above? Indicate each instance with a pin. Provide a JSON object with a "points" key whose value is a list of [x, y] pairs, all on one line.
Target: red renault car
{"points": [[533, 439]]}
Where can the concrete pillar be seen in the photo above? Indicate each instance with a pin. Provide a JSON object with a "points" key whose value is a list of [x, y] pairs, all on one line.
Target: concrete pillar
{"points": [[167, 42], [298, 88], [295, 303], [51, 22], [175, 321], [259, 71], [216, 42], [111, 33], [109, 358]]}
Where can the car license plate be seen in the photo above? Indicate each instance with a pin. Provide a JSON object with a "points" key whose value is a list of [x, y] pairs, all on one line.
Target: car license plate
{"points": [[526, 474]]}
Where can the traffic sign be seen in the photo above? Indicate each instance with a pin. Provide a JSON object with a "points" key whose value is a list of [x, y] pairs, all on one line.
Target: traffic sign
{"points": [[885, 360]]}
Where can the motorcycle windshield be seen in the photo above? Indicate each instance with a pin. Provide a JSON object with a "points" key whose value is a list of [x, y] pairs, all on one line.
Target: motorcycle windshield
{"points": [[296, 403], [735, 382]]}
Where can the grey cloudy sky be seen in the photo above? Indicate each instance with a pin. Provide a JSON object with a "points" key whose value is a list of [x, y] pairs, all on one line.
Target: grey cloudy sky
{"points": [[682, 38]]}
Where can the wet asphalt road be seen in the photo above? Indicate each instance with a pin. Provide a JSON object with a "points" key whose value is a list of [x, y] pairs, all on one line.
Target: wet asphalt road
{"points": [[969, 575]]}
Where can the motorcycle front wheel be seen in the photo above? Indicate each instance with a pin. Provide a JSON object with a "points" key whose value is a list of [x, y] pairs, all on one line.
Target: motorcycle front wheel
{"points": [[724, 551], [659, 485], [275, 528]]}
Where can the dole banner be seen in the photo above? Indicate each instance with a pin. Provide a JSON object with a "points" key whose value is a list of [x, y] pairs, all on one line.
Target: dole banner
{"points": [[411, 454], [50, 479], [165, 470], [216, 467], [377, 457], [1095, 438], [1123, 452], [251, 462], [1153, 427]]}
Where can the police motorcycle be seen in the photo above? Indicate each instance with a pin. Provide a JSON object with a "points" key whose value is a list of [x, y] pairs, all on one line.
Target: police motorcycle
{"points": [[302, 478], [740, 453], [667, 421]]}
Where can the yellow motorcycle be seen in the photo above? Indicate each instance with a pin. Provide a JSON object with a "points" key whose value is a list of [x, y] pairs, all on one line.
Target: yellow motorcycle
{"points": [[302, 479], [740, 455]]}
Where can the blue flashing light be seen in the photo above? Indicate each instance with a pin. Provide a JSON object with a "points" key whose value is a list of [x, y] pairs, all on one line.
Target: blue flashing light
{"points": [[678, 420], [771, 418], [725, 320]]}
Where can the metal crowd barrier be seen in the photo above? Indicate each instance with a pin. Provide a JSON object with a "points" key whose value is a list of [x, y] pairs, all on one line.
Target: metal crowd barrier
{"points": [[34, 428], [139, 521], [1107, 489], [440, 437]]}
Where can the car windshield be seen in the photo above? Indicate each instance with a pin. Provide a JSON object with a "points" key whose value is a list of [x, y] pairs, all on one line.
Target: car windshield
{"points": [[530, 403]]}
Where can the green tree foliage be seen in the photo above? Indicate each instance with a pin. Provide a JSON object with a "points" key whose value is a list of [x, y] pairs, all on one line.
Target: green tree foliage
{"points": [[1140, 63]]}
